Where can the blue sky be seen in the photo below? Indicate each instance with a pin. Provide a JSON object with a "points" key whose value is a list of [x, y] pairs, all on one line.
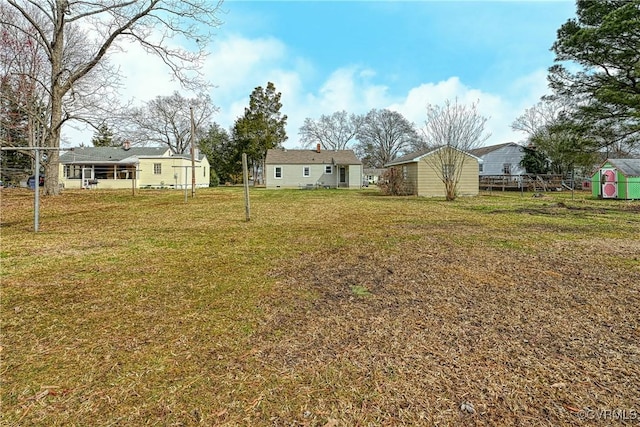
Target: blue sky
{"points": [[328, 56]]}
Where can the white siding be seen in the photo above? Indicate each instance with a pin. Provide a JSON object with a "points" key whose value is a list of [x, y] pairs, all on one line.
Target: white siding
{"points": [[493, 163]]}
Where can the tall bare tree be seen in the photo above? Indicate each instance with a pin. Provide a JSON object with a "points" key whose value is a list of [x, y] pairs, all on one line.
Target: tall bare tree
{"points": [[333, 132], [451, 131], [383, 136], [552, 136], [56, 25], [166, 120], [539, 117], [22, 95]]}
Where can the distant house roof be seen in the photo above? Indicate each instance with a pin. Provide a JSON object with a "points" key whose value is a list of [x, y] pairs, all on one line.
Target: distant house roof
{"points": [[110, 154], [418, 155], [628, 167], [306, 157], [482, 151]]}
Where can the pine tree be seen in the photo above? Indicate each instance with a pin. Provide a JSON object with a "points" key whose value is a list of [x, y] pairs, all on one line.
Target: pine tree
{"points": [[103, 137], [605, 91], [262, 127]]}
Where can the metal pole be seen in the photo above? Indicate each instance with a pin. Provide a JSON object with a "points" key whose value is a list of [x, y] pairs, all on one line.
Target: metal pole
{"points": [[186, 185], [193, 157], [36, 199], [245, 174]]}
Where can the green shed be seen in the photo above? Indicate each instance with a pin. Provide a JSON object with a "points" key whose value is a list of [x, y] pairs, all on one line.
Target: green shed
{"points": [[617, 179]]}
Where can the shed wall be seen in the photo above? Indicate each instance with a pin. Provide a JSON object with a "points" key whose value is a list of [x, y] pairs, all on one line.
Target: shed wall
{"points": [[430, 185]]}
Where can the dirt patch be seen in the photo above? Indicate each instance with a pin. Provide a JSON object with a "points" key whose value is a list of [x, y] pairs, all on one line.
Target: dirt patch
{"points": [[473, 336]]}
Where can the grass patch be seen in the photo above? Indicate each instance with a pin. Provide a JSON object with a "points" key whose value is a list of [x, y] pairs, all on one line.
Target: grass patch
{"points": [[360, 291], [327, 308]]}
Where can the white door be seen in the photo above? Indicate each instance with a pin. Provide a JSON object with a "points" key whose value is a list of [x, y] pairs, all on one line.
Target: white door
{"points": [[87, 174]]}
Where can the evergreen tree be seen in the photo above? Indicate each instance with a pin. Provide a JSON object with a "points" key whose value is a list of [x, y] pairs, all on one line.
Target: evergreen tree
{"points": [[103, 137], [262, 127], [603, 41], [14, 131], [224, 156], [534, 161]]}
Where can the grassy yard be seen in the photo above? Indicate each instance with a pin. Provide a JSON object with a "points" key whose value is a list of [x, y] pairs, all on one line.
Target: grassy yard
{"points": [[329, 308]]}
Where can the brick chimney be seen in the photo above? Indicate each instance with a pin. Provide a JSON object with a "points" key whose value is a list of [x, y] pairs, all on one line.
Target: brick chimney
{"points": [[317, 148]]}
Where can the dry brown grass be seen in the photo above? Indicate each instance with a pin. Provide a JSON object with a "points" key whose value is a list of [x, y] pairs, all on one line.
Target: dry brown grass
{"points": [[329, 308]]}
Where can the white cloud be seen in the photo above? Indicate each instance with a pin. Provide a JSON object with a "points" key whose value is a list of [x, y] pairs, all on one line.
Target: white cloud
{"points": [[237, 65], [500, 109]]}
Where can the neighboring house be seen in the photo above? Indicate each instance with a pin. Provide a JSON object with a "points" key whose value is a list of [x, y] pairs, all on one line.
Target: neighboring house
{"points": [[130, 167], [501, 159], [418, 172], [617, 179], [370, 176], [286, 168]]}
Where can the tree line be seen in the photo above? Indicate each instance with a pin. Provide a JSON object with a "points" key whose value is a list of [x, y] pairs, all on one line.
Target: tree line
{"points": [[54, 69]]}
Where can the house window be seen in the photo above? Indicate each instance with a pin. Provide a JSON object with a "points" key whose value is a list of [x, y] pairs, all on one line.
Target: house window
{"points": [[506, 169], [306, 171], [73, 171], [405, 172], [328, 169], [277, 172], [157, 168], [480, 167]]}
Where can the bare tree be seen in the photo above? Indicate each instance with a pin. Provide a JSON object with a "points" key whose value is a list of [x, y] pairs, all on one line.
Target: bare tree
{"points": [[557, 139], [383, 136], [333, 132], [22, 73], [452, 130], [540, 117], [56, 25], [166, 120]]}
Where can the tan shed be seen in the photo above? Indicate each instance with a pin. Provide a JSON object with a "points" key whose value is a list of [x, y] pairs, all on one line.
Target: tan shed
{"points": [[418, 169]]}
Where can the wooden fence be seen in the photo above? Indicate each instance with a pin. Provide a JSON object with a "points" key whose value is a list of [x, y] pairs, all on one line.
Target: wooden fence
{"points": [[527, 182]]}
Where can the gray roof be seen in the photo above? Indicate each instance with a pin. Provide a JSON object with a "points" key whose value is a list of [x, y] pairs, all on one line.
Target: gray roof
{"points": [[110, 154], [418, 155], [306, 157], [481, 151], [410, 157], [628, 167]]}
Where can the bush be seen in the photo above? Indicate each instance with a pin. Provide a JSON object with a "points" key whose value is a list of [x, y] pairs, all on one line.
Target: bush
{"points": [[392, 183], [214, 180]]}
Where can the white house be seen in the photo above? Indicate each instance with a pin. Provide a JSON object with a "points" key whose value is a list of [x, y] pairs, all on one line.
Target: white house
{"points": [[286, 168], [501, 159]]}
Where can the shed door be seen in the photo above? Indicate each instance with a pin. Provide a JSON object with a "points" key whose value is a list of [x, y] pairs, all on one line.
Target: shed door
{"points": [[608, 183]]}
